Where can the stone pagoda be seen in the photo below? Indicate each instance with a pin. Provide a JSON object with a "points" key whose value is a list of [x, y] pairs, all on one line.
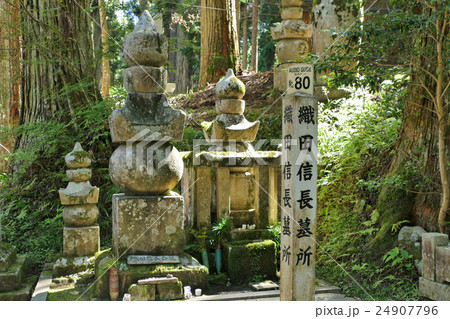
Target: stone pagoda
{"points": [[230, 126], [293, 36], [147, 216], [81, 234], [227, 180]]}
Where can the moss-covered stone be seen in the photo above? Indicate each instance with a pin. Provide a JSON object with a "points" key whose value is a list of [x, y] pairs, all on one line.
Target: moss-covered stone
{"points": [[170, 291], [12, 279], [142, 292], [103, 261], [192, 275], [72, 265], [22, 294], [7, 256], [394, 205], [246, 234], [246, 259]]}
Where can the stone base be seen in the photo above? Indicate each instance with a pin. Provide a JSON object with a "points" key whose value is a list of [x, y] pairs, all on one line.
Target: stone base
{"points": [[11, 279], [7, 256], [148, 225], [72, 265], [246, 259], [434, 290], [81, 241], [22, 294], [246, 234], [168, 291], [190, 272]]}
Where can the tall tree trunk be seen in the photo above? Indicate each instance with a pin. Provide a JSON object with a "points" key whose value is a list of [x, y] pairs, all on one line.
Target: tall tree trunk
{"points": [[423, 150], [245, 37], [255, 36], [9, 74], [219, 41], [106, 74], [58, 72]]}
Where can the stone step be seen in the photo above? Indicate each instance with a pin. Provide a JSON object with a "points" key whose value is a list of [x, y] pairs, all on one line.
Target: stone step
{"points": [[157, 280], [22, 294], [265, 285], [7, 256], [43, 286], [325, 293], [11, 280]]}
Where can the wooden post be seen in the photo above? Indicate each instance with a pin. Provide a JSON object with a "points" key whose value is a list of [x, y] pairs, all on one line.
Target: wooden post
{"points": [[299, 197]]}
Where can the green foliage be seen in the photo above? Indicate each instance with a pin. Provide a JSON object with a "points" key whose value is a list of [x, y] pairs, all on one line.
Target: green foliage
{"points": [[221, 232], [29, 201], [356, 136]]}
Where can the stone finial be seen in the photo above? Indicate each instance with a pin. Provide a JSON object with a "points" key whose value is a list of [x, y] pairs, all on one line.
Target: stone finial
{"points": [[230, 87], [78, 158], [146, 23], [145, 45]]}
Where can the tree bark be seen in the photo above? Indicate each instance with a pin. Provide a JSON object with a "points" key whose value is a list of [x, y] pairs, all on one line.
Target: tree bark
{"points": [[58, 72], [219, 41], [9, 74], [423, 150], [255, 36], [106, 74], [245, 37]]}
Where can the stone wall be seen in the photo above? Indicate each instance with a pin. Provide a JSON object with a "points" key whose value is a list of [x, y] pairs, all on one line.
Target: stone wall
{"points": [[435, 281]]}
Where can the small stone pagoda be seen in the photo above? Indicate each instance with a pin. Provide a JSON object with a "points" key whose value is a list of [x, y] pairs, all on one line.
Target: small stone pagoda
{"points": [[230, 126], [293, 36], [81, 234], [231, 179]]}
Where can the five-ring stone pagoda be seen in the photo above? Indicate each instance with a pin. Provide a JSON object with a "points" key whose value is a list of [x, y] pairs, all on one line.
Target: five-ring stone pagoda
{"points": [[147, 216]]}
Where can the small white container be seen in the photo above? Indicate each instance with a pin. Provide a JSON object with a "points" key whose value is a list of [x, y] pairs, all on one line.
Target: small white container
{"points": [[198, 292], [126, 297]]}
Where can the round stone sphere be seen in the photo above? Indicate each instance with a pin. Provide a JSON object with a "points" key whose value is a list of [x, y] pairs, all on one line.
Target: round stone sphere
{"points": [[291, 49], [80, 215], [146, 169]]}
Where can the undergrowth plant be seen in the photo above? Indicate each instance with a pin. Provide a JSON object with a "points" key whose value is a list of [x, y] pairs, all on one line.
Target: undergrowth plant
{"points": [[356, 138], [30, 208]]}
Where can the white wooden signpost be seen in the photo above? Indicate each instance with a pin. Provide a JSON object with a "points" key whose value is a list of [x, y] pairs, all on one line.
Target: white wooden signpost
{"points": [[299, 186]]}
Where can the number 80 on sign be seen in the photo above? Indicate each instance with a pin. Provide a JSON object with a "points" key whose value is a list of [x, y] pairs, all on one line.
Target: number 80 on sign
{"points": [[300, 79]]}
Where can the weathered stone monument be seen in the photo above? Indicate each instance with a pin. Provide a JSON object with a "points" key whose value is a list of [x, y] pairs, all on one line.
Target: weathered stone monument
{"points": [[230, 178], [293, 36], [299, 195], [12, 269], [81, 234], [148, 217]]}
